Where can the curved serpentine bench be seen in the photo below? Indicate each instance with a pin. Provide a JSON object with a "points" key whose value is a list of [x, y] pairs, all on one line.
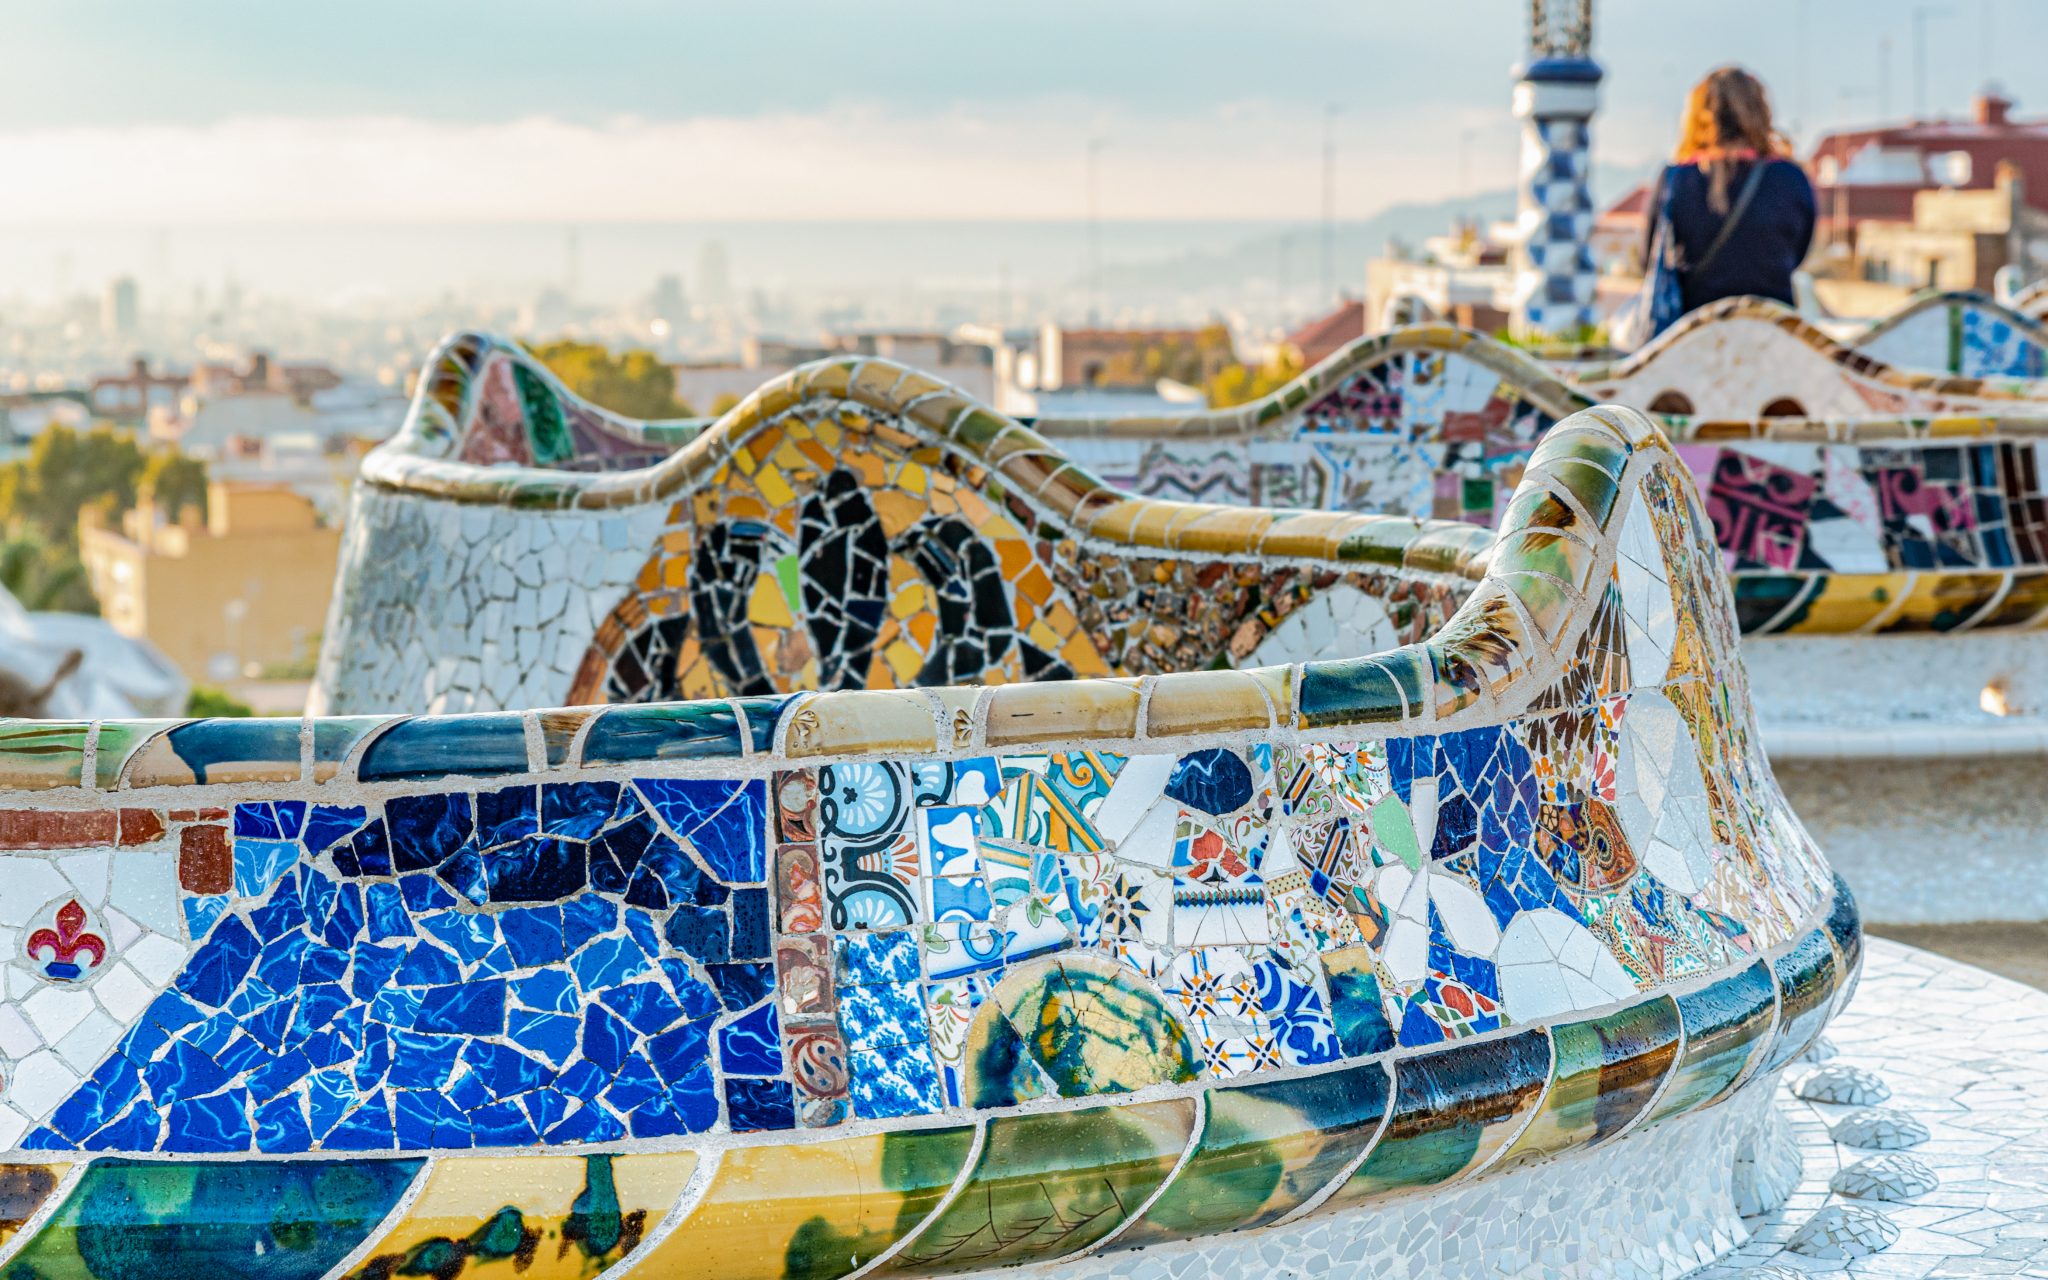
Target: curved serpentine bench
{"points": [[1962, 333], [1354, 952], [1929, 531], [2032, 300], [852, 525], [1746, 358], [1891, 575]]}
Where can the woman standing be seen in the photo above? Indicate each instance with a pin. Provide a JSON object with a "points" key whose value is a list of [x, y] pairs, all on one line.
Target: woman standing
{"points": [[1740, 210]]}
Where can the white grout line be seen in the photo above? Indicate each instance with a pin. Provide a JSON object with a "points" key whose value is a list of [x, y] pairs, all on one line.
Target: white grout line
{"points": [[1195, 1132], [688, 1200], [386, 1225], [970, 1165]]}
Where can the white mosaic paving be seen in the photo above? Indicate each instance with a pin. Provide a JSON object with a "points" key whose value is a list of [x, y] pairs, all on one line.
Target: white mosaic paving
{"points": [[1966, 1054], [1841, 1082]]}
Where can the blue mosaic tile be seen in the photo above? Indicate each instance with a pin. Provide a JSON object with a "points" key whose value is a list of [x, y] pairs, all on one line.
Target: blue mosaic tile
{"points": [[751, 1044], [436, 746], [725, 822], [884, 1014], [278, 820], [577, 810], [898, 1081], [1213, 781], [370, 1013], [866, 958], [753, 1105], [427, 830], [259, 862], [741, 985], [1301, 1021], [201, 910], [677, 731], [205, 743]]}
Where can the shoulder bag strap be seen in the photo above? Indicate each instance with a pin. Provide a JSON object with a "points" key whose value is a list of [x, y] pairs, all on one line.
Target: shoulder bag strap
{"points": [[1748, 193]]}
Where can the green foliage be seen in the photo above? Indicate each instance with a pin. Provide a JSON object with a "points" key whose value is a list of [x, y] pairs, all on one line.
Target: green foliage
{"points": [[725, 404], [46, 578], [66, 471], [634, 383], [1237, 384], [206, 700], [176, 481], [1579, 337]]}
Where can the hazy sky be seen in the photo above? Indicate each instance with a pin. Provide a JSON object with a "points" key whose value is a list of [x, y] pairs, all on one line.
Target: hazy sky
{"points": [[207, 111]]}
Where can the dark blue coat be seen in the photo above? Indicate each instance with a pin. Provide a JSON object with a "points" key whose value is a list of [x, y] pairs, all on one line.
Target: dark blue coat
{"points": [[1768, 244]]}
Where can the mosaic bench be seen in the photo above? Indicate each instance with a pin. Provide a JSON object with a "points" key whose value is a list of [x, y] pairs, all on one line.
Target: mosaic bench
{"points": [[1086, 974], [1891, 579], [1928, 530], [2032, 301], [1962, 333], [1743, 358]]}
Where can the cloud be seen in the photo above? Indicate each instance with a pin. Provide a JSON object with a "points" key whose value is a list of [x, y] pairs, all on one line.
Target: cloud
{"points": [[1238, 159]]}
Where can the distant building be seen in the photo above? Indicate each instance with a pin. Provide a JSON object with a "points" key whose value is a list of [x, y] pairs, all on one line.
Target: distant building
{"points": [[24, 415], [129, 397], [246, 587], [120, 315], [1131, 359], [1091, 370], [228, 412], [1928, 203], [705, 384], [668, 303], [1326, 335], [1956, 239], [300, 380], [1466, 278], [1872, 175]]}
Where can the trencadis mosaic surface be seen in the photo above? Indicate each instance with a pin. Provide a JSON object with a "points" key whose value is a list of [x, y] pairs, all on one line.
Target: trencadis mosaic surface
{"points": [[931, 979]]}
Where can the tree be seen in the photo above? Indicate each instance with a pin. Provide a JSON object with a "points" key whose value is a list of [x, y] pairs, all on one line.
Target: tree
{"points": [[45, 578], [175, 481], [637, 384], [66, 471], [1236, 384], [206, 700]]}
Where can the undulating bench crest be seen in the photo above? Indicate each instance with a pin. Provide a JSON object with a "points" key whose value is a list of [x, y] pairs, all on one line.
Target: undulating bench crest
{"points": [[2032, 301], [944, 543], [1963, 333], [852, 525], [1753, 358], [922, 979]]}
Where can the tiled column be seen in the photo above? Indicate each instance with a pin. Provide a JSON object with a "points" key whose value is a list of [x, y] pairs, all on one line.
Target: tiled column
{"points": [[1555, 98]]}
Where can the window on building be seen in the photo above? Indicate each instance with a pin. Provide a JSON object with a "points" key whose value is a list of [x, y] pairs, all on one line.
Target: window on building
{"points": [[1949, 168]]}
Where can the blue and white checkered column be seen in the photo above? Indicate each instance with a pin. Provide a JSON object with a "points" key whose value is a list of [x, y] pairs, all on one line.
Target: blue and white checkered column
{"points": [[1555, 99]]}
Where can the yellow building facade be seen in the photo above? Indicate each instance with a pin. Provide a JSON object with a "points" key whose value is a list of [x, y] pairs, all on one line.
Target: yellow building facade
{"points": [[242, 589]]}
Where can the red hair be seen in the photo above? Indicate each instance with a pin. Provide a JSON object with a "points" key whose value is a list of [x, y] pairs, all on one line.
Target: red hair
{"points": [[1727, 118]]}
